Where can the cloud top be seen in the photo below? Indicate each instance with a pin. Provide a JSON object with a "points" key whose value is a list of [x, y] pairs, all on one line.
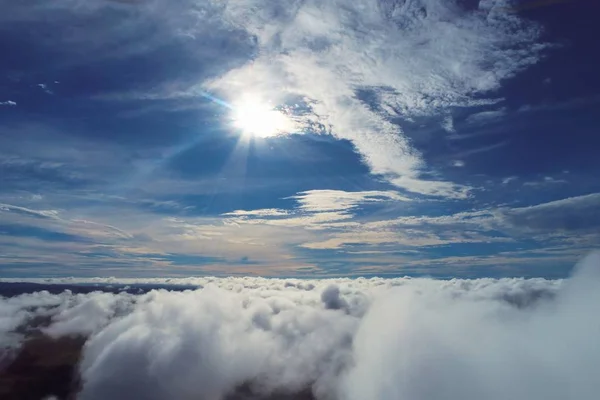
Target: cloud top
{"points": [[339, 339]]}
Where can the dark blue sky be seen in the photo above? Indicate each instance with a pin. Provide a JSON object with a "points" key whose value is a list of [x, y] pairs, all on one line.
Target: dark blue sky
{"points": [[153, 138]]}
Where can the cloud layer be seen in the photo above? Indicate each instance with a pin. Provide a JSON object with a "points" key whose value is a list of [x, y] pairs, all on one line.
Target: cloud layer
{"points": [[340, 339]]}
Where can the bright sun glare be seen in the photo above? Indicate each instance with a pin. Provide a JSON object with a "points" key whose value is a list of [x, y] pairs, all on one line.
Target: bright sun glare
{"points": [[257, 118]]}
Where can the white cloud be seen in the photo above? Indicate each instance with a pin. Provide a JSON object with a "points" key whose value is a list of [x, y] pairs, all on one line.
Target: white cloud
{"points": [[316, 210], [414, 231], [544, 223], [417, 57], [480, 149], [546, 181], [436, 350], [448, 124], [265, 212], [509, 179], [341, 338], [53, 214], [85, 315], [8, 103], [61, 223], [339, 200], [485, 116], [561, 106]]}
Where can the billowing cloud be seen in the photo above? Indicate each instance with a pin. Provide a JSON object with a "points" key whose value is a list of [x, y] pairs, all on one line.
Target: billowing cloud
{"points": [[434, 350], [337, 339]]}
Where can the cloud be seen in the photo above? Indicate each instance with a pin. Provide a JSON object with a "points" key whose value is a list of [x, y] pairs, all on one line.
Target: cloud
{"points": [[432, 350], [52, 214], [560, 106], [547, 181], [481, 149], [415, 231], [341, 338], [313, 55], [549, 222], [8, 103], [339, 200], [56, 221], [451, 53], [485, 116], [44, 87], [266, 212], [317, 209], [331, 232], [448, 124], [573, 214]]}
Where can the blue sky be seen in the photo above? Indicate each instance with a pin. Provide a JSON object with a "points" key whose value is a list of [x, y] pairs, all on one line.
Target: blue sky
{"points": [[298, 138]]}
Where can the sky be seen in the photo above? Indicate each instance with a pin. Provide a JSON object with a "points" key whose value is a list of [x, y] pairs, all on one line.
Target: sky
{"points": [[327, 138]]}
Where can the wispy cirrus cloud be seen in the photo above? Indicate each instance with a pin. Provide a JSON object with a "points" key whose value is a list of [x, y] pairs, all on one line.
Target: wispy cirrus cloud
{"points": [[271, 241], [318, 209], [573, 214], [349, 70], [28, 211], [448, 66], [339, 200], [268, 212]]}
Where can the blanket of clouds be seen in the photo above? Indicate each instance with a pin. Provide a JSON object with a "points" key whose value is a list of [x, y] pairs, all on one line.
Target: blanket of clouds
{"points": [[343, 339]]}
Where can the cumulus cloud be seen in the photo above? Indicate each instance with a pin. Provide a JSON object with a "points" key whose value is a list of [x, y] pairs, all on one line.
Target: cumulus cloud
{"points": [[339, 339], [8, 103], [434, 350]]}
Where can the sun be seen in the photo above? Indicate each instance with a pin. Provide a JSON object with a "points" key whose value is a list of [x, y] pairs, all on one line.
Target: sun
{"points": [[260, 119]]}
